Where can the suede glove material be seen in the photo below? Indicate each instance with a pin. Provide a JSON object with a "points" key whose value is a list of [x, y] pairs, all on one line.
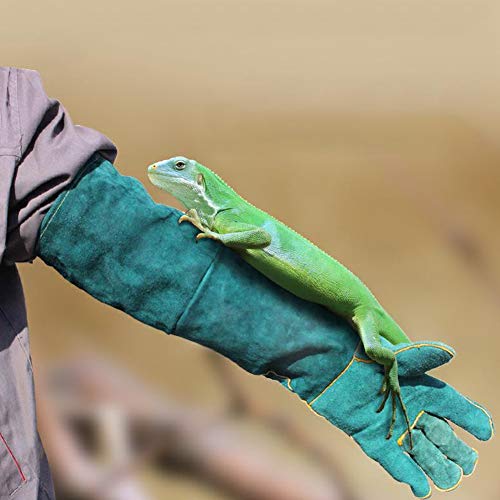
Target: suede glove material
{"points": [[107, 236], [349, 403]]}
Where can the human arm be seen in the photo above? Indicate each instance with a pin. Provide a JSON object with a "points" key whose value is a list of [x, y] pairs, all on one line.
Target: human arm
{"points": [[41, 151]]}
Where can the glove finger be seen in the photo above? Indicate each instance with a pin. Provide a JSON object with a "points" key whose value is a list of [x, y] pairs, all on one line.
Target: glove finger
{"points": [[442, 435], [445, 474], [399, 465], [445, 402], [420, 357]]}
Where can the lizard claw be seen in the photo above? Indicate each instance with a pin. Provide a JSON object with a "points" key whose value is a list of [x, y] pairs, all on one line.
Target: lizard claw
{"points": [[191, 216], [210, 236], [383, 388], [391, 388]]}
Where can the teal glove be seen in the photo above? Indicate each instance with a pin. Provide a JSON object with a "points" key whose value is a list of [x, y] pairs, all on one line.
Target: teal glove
{"points": [[348, 403], [108, 237]]}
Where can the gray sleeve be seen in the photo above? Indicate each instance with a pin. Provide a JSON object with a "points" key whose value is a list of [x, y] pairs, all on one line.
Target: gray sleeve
{"points": [[41, 151]]}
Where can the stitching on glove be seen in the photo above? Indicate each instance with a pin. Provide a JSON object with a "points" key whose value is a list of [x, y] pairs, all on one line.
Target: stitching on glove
{"points": [[336, 378], [402, 437], [462, 475], [475, 463], [455, 485], [428, 495], [407, 348], [473, 403], [424, 344]]}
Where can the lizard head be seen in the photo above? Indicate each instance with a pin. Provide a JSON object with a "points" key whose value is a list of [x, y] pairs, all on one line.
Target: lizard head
{"points": [[193, 184], [179, 176], [184, 179]]}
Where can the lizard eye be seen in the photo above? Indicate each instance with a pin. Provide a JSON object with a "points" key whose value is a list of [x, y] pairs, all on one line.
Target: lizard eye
{"points": [[180, 165]]}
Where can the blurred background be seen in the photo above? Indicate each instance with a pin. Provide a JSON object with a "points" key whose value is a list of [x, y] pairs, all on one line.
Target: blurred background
{"points": [[373, 128]]}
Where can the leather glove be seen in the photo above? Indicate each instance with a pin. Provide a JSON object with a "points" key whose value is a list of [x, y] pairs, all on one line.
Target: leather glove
{"points": [[348, 402], [107, 236]]}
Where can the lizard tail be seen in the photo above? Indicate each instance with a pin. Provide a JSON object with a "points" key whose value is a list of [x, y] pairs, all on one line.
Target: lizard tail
{"points": [[392, 332]]}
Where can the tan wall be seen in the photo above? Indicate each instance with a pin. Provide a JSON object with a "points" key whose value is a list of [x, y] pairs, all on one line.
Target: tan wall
{"points": [[368, 126]]}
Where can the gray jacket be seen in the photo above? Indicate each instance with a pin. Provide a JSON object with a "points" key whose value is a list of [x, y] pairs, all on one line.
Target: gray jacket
{"points": [[41, 151]]}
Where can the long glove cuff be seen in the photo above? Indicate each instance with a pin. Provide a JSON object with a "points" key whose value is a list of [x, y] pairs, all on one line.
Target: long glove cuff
{"points": [[107, 236]]}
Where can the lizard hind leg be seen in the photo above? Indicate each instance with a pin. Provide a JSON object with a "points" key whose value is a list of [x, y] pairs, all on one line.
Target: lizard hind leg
{"points": [[391, 387], [370, 334]]}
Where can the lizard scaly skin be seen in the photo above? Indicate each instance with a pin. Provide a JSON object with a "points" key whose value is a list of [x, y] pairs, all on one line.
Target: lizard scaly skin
{"points": [[285, 257]]}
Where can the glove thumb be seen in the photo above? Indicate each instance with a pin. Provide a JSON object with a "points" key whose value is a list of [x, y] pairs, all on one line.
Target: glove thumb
{"points": [[418, 358]]}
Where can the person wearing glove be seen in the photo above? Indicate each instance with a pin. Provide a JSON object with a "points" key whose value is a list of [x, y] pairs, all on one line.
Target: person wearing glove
{"points": [[102, 231], [41, 152]]}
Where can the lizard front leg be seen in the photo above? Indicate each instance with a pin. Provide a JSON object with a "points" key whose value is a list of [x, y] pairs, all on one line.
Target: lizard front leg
{"points": [[192, 216], [240, 237]]}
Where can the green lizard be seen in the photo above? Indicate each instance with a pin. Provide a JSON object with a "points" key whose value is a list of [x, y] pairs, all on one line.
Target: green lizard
{"points": [[285, 257]]}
